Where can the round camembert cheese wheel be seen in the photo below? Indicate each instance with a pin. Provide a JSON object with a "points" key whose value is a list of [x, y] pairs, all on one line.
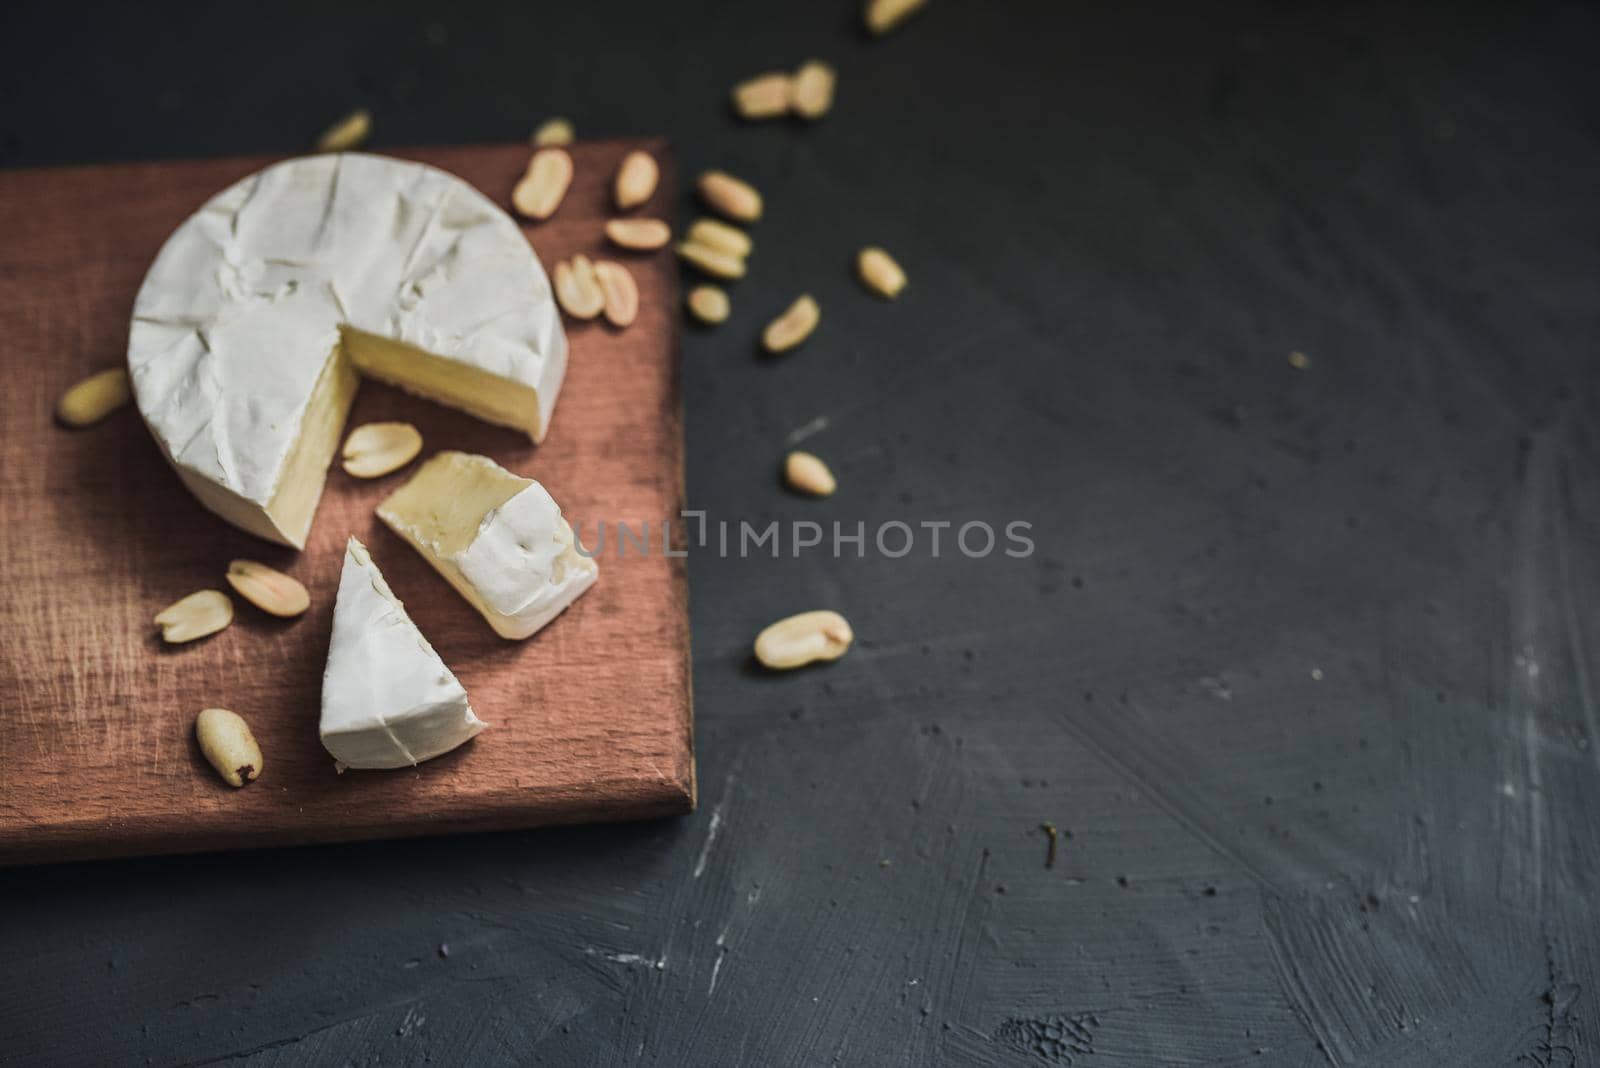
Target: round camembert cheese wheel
{"points": [[263, 310]]}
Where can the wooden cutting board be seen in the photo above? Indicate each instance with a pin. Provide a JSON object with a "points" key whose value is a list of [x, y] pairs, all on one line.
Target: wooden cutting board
{"points": [[590, 719]]}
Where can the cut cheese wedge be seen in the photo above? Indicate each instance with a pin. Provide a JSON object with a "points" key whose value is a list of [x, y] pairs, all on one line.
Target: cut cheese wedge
{"points": [[498, 538], [263, 309], [388, 701]]}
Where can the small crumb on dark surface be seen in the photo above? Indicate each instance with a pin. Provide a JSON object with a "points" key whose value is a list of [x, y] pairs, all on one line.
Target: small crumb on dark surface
{"points": [[444, 950], [1299, 360], [1122, 881], [1050, 851]]}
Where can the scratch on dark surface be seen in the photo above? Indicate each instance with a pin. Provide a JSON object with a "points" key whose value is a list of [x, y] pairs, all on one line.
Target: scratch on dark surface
{"points": [[1577, 645], [411, 1023], [801, 433], [198, 999], [1415, 736], [265, 1047], [1160, 777], [1534, 634], [626, 958], [1362, 976], [714, 826], [716, 970], [313, 1035]]}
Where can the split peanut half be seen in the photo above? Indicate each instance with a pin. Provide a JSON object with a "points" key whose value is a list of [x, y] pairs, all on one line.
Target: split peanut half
{"points": [[228, 745], [638, 235], [539, 193], [711, 261], [271, 591], [94, 398], [811, 90], [714, 233], [577, 289], [880, 273], [375, 449], [808, 474], [730, 197], [620, 292], [804, 639], [347, 133], [766, 96], [709, 304], [636, 180], [793, 326], [196, 616]]}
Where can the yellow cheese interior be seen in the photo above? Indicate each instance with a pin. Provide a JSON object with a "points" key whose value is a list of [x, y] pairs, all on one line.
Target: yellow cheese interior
{"points": [[306, 469], [444, 503], [481, 394], [476, 392]]}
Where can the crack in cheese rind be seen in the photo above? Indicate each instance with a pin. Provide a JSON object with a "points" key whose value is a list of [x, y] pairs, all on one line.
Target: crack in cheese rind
{"points": [[499, 539], [388, 700], [246, 303]]}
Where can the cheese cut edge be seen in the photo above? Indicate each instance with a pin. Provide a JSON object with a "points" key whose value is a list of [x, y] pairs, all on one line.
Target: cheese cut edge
{"points": [[489, 397]]}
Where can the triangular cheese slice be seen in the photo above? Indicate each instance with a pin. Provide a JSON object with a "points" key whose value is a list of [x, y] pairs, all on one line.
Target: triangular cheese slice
{"points": [[388, 701]]}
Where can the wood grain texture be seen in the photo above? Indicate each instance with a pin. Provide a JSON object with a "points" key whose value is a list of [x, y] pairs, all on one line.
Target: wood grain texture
{"points": [[590, 719]]}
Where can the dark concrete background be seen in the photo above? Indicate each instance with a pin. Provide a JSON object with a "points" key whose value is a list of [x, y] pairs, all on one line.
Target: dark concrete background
{"points": [[1303, 667]]}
